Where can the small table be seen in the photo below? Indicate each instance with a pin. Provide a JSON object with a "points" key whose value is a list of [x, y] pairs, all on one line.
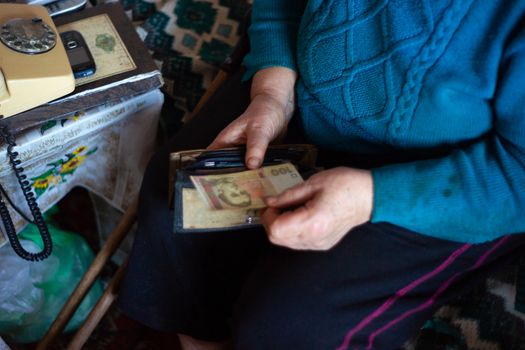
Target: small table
{"points": [[104, 150], [100, 136]]}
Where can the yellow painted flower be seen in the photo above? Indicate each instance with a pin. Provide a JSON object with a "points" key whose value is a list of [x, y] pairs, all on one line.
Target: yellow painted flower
{"points": [[76, 116], [41, 183], [72, 164], [54, 180], [79, 150]]}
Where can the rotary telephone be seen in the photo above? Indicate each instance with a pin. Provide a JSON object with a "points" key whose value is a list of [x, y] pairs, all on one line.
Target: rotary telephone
{"points": [[34, 69]]}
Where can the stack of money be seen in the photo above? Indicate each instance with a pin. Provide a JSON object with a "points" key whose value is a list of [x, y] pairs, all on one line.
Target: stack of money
{"points": [[245, 189]]}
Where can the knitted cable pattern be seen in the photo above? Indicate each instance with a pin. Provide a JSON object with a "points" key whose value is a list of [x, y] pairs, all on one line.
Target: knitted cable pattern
{"points": [[426, 58], [315, 38]]}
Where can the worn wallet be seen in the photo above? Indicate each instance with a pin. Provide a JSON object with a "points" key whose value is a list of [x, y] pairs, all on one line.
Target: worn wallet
{"points": [[192, 214]]}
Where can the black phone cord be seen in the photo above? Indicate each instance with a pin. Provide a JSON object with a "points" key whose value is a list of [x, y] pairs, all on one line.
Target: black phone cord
{"points": [[39, 221], [14, 206]]}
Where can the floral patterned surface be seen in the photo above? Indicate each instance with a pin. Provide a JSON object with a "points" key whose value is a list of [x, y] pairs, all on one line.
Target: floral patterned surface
{"points": [[60, 170], [104, 150]]}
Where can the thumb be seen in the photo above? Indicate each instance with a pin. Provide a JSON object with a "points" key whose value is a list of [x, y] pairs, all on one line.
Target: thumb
{"points": [[256, 144]]}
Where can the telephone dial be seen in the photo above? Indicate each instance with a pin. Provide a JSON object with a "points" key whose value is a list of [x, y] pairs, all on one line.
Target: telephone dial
{"points": [[34, 67]]}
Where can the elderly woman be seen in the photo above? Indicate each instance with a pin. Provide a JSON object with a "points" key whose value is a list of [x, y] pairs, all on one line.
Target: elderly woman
{"points": [[418, 108]]}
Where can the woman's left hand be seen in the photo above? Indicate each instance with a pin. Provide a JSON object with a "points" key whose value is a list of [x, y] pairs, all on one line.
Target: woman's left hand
{"points": [[325, 208]]}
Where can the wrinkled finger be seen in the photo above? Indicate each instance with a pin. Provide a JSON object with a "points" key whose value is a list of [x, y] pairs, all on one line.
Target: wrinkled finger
{"points": [[230, 138], [268, 218], [257, 142], [297, 220], [277, 234], [294, 196], [283, 225], [289, 229], [232, 135]]}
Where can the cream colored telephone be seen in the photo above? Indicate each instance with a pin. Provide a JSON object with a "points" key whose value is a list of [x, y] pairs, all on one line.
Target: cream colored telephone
{"points": [[34, 68]]}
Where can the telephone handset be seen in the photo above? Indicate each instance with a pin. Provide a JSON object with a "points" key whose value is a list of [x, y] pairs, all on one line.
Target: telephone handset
{"points": [[34, 67]]}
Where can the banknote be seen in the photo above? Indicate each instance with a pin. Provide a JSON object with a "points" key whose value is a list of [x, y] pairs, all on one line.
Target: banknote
{"points": [[197, 215], [246, 189]]}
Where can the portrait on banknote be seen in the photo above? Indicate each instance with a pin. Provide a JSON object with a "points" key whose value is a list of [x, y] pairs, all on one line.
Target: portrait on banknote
{"points": [[231, 194], [245, 189]]}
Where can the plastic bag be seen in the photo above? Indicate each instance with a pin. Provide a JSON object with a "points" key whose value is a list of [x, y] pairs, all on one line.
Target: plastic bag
{"points": [[32, 293]]}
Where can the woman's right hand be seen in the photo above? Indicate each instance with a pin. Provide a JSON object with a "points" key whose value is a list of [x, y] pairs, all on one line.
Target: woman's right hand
{"points": [[266, 118]]}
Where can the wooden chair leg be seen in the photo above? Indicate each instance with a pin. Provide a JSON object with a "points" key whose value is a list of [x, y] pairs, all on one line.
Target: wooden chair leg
{"points": [[100, 309], [113, 242]]}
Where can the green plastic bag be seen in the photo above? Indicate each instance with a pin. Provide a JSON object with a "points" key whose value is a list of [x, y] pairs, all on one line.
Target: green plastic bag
{"points": [[32, 293]]}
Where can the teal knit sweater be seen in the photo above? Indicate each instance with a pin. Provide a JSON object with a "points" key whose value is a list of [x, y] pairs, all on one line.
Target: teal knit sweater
{"points": [[441, 82]]}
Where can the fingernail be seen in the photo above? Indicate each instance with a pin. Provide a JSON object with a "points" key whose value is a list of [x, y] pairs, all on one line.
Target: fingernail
{"points": [[253, 162]]}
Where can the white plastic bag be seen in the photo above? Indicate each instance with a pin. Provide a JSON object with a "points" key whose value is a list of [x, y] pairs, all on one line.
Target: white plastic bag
{"points": [[33, 293]]}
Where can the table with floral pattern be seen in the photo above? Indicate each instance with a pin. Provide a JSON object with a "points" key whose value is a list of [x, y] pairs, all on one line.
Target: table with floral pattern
{"points": [[104, 150]]}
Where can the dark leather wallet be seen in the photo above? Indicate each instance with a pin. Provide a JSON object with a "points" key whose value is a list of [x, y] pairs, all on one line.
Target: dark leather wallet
{"points": [[191, 213]]}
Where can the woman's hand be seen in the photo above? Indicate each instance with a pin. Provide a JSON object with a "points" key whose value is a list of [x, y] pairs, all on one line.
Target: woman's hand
{"points": [[265, 119], [326, 207]]}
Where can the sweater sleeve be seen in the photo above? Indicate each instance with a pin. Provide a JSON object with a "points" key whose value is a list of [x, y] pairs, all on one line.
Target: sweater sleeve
{"points": [[273, 34], [476, 193]]}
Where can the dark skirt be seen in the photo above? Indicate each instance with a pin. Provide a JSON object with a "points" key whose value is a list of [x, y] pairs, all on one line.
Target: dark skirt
{"points": [[374, 289]]}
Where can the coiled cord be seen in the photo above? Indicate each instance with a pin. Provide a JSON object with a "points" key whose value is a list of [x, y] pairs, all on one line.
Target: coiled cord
{"points": [[38, 219]]}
